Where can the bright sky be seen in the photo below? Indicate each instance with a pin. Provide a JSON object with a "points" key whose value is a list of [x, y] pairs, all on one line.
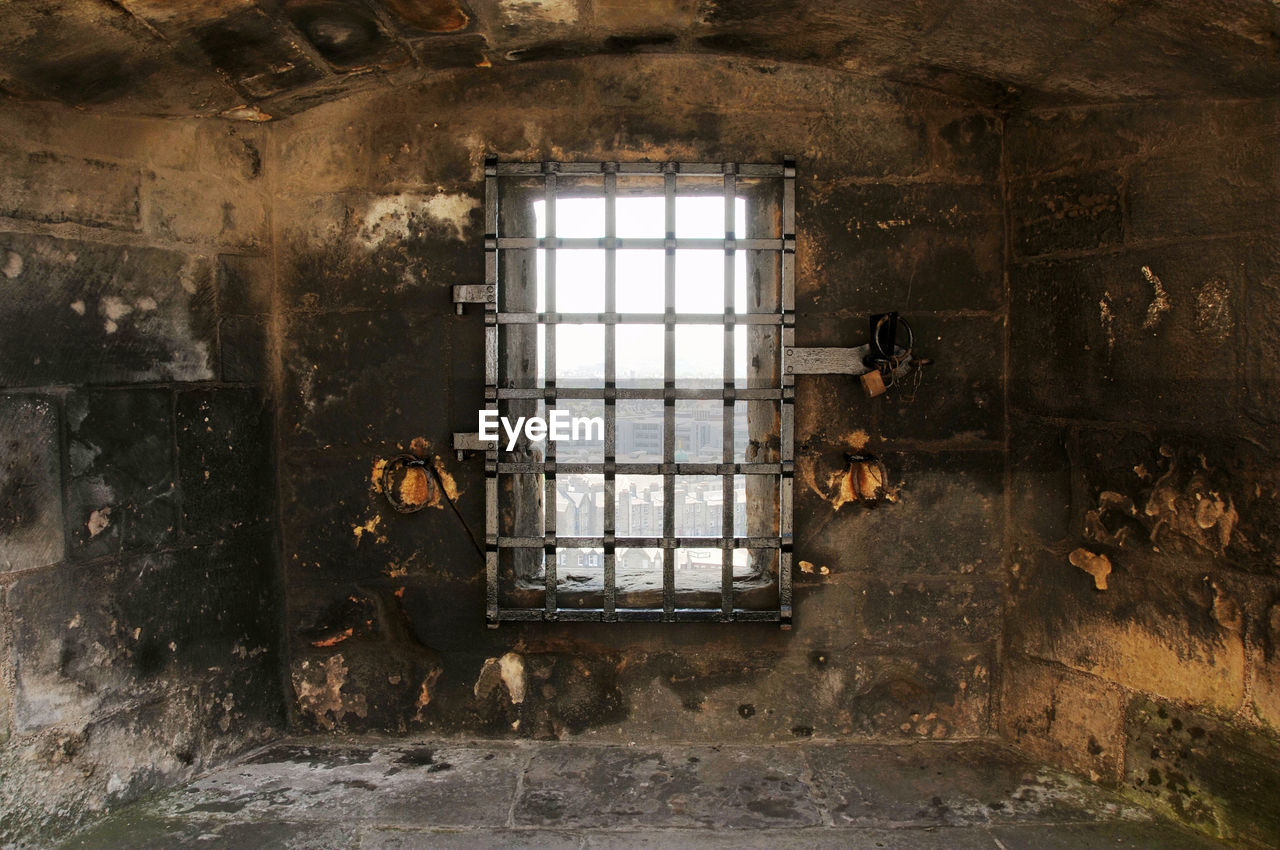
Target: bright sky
{"points": [[640, 288]]}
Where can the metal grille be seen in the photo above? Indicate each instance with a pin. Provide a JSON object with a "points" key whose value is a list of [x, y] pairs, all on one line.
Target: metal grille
{"points": [[504, 601]]}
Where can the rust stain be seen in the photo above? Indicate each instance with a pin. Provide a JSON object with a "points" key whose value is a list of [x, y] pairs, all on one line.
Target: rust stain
{"points": [[430, 15], [335, 639], [446, 479], [1098, 566]]}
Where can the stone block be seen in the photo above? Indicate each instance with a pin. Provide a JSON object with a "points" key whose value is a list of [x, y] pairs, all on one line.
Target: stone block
{"points": [[1082, 212], [1261, 328], [340, 529], [1065, 718], [121, 487], [1148, 631], [243, 343], [1129, 336], [666, 787], [30, 483], [88, 639], [54, 188], [947, 521], [349, 382], [912, 247], [244, 285], [1200, 195], [393, 252], [196, 209], [929, 613], [1040, 479], [87, 313], [225, 469], [967, 145], [1080, 138], [1203, 771]]}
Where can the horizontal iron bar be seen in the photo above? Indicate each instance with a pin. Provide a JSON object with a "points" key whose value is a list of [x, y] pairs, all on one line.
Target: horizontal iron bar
{"points": [[642, 243], [681, 393], [642, 542], [686, 169], [639, 318], [632, 468], [638, 615]]}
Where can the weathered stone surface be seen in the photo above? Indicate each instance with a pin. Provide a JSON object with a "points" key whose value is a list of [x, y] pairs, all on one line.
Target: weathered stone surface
{"points": [[929, 613], [30, 483], [1081, 212], [121, 490], [1197, 195], [948, 519], [86, 313], [1198, 501], [660, 788], [963, 785], [1040, 479], [89, 639], [1262, 332], [912, 247], [243, 346], [186, 208], [401, 251], [341, 528], [1098, 338], [349, 379], [224, 459], [1067, 719], [1202, 771], [968, 145], [244, 285], [1152, 630], [1080, 138], [51, 187]]}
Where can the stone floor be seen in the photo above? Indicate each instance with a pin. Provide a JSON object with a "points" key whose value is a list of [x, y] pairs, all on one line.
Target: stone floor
{"points": [[395, 794]]}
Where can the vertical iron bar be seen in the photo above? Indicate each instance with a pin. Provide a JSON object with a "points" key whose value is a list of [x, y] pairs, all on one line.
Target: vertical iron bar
{"points": [[787, 437], [669, 401], [550, 549], [610, 371], [727, 530], [491, 388]]}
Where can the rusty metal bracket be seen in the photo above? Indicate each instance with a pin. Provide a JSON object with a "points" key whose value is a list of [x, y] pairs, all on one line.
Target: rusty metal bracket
{"points": [[473, 293], [467, 441]]}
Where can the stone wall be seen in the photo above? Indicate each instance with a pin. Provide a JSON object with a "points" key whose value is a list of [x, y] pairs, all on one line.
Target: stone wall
{"points": [[1143, 403], [897, 605], [138, 562]]}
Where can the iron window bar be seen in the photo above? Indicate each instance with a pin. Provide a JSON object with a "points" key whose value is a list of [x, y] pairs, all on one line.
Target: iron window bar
{"points": [[783, 391]]}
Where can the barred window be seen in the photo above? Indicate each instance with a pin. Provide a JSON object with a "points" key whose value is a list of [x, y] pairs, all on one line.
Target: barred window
{"points": [[646, 307]]}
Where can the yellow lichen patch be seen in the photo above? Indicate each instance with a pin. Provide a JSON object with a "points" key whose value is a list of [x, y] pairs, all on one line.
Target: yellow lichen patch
{"points": [[806, 567], [368, 528], [857, 440], [1098, 566], [415, 488], [375, 477]]}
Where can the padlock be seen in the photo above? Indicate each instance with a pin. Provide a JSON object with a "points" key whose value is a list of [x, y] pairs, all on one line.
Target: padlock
{"points": [[873, 383]]}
